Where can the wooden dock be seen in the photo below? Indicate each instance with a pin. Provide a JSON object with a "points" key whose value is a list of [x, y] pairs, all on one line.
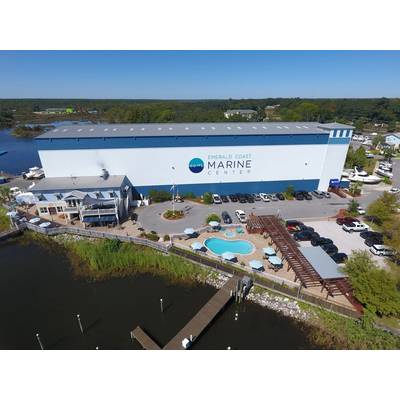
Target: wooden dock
{"points": [[144, 339], [203, 318]]}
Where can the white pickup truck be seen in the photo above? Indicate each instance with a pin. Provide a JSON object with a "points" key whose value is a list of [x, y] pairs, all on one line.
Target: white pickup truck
{"points": [[355, 227]]}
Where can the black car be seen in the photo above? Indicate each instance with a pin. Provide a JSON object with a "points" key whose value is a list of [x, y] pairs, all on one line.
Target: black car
{"points": [[305, 235], [280, 196], [224, 198], [249, 198], [329, 249], [306, 228], [307, 195], [226, 217], [370, 234], [339, 258], [321, 241], [372, 240], [299, 196], [242, 198], [233, 198]]}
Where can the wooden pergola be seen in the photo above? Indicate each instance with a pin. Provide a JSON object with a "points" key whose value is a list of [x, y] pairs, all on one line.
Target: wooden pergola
{"points": [[273, 228]]}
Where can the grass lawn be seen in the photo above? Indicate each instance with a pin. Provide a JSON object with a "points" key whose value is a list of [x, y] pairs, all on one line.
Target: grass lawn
{"points": [[4, 220]]}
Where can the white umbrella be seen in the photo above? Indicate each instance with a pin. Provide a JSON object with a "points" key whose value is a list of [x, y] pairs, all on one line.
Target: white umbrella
{"points": [[228, 256], [196, 246], [189, 231], [269, 251], [256, 264], [214, 224], [34, 220]]}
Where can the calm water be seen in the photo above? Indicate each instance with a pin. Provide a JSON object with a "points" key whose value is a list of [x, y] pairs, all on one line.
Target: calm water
{"points": [[22, 153], [38, 293]]}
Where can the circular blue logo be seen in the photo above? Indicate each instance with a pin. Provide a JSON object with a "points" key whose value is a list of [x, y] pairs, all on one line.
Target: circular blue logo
{"points": [[196, 165]]}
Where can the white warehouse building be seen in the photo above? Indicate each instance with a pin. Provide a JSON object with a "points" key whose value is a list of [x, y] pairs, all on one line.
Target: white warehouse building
{"points": [[222, 158]]}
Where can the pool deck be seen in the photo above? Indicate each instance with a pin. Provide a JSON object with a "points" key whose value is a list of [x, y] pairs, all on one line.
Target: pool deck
{"points": [[260, 242]]}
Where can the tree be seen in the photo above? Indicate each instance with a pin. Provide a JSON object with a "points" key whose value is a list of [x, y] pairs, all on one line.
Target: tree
{"points": [[4, 194], [378, 140], [388, 153], [383, 208], [352, 207], [213, 217], [373, 287], [207, 198], [289, 192], [391, 126], [355, 189], [391, 230], [357, 158]]}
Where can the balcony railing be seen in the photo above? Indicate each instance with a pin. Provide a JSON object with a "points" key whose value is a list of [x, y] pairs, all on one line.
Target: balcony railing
{"points": [[71, 209], [99, 211]]}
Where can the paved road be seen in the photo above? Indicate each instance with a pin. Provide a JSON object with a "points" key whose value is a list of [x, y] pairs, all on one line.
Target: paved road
{"points": [[150, 217]]}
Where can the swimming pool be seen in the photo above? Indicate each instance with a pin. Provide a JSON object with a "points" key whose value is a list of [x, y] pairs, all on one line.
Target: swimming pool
{"points": [[219, 246]]}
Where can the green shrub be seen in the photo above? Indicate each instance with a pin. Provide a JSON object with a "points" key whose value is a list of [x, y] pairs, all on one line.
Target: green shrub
{"points": [[207, 198], [213, 217], [177, 214], [189, 195], [150, 235], [159, 196], [166, 238], [289, 192]]}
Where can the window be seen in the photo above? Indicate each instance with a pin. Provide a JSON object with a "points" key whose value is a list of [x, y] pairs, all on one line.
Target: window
{"points": [[59, 209], [43, 210], [338, 133], [112, 195], [345, 133]]}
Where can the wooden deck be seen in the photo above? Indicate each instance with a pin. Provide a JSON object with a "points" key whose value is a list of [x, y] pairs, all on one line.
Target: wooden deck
{"points": [[204, 317], [144, 339]]}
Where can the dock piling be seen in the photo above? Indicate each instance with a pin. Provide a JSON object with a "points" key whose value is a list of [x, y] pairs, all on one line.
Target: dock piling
{"points": [[40, 342], [79, 322]]}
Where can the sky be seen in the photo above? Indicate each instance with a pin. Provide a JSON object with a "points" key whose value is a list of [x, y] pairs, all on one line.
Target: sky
{"points": [[198, 74]]}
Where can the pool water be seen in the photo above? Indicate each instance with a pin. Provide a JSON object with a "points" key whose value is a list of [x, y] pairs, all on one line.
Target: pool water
{"points": [[219, 246], [230, 234]]}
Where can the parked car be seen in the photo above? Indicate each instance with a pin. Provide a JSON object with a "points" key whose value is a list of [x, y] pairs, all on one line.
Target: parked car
{"points": [[360, 210], [280, 196], [303, 227], [226, 217], [256, 197], [394, 190], [233, 198], [298, 195], [293, 225], [249, 198], [339, 258], [321, 241], [273, 197], [371, 241], [368, 234], [264, 197], [381, 250], [307, 195], [305, 235], [329, 248], [224, 198], [318, 194], [242, 198], [346, 220], [326, 194], [241, 215], [355, 227], [216, 198]]}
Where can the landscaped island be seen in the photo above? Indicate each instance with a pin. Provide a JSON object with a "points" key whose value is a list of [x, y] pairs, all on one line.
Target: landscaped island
{"points": [[26, 131]]}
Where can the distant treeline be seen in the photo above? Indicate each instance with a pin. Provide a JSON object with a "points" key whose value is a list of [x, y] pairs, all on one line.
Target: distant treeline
{"points": [[356, 111]]}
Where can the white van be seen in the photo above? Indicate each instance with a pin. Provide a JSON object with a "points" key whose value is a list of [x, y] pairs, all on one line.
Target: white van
{"points": [[216, 199]]}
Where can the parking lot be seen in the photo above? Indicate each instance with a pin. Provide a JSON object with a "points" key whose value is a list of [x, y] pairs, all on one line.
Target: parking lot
{"points": [[345, 242]]}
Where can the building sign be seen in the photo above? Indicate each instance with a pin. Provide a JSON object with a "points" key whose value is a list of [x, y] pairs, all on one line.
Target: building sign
{"points": [[222, 164]]}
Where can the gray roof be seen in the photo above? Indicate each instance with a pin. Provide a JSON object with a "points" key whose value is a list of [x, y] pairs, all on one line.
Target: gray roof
{"points": [[241, 111], [190, 129], [78, 183], [322, 263]]}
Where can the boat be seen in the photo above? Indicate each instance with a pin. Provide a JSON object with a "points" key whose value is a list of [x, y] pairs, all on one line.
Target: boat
{"points": [[363, 177], [34, 173], [382, 172], [2, 152]]}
